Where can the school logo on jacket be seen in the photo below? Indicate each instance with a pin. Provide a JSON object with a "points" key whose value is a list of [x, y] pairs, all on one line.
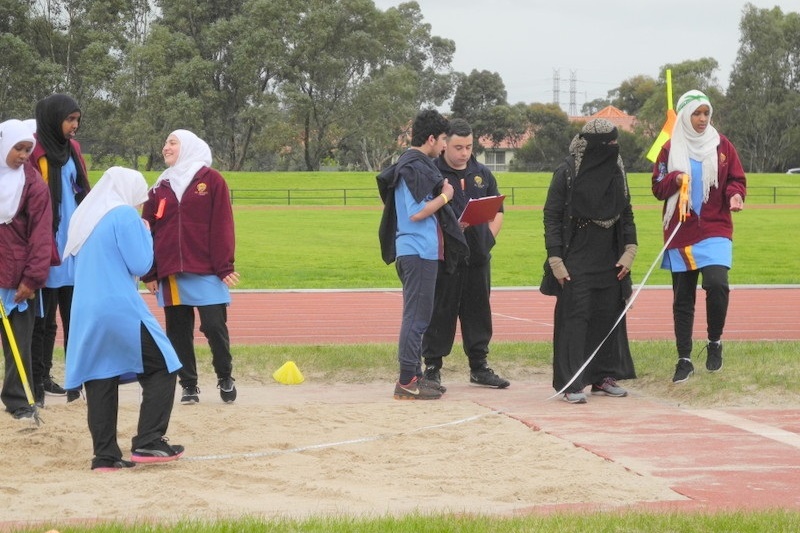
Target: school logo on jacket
{"points": [[478, 181], [201, 189]]}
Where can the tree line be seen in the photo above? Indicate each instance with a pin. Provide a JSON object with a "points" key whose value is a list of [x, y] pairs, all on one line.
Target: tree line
{"points": [[306, 84]]}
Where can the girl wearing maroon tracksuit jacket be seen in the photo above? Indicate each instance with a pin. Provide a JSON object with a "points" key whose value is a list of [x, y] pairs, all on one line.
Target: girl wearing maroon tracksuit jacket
{"points": [[190, 215], [709, 164]]}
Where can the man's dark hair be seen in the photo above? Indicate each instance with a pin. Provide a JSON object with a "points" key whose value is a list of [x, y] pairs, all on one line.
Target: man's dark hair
{"points": [[459, 127], [428, 122]]}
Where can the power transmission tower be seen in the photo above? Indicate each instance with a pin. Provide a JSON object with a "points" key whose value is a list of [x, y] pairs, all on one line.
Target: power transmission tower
{"points": [[573, 93], [556, 87]]}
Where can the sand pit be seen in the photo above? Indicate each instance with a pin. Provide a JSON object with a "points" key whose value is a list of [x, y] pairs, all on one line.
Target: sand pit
{"points": [[310, 449]]}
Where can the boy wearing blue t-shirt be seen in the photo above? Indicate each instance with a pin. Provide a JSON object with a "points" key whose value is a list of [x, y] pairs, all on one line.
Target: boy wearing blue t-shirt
{"points": [[418, 230]]}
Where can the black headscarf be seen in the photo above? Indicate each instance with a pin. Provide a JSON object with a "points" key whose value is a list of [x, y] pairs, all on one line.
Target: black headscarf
{"points": [[599, 191], [50, 115]]}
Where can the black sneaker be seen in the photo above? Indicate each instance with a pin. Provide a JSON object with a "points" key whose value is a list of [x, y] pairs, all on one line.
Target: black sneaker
{"points": [[190, 395], [73, 395], [431, 384], [714, 356], [52, 388], [683, 370], [485, 376], [227, 390], [159, 451], [414, 391], [108, 465], [432, 373], [24, 414]]}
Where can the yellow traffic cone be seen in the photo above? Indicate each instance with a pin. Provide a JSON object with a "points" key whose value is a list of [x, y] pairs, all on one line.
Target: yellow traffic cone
{"points": [[288, 374]]}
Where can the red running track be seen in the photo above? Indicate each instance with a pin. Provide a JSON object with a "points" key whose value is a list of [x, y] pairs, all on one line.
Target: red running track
{"points": [[373, 316]]}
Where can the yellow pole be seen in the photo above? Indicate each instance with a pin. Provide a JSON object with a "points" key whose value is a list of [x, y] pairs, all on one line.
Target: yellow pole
{"points": [[669, 89], [15, 351]]}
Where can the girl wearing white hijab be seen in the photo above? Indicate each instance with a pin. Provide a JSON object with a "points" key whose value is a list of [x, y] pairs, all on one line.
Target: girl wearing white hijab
{"points": [[114, 338], [709, 164], [189, 212], [26, 220]]}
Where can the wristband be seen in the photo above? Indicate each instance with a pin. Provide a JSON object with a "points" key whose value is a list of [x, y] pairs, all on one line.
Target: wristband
{"points": [[445, 198]]}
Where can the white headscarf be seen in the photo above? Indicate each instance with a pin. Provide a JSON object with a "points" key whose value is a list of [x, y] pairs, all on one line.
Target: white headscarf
{"points": [[194, 154], [118, 186], [686, 144], [30, 123], [12, 180]]}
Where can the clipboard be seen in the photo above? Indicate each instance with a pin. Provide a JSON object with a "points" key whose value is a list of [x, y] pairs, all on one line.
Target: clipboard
{"points": [[481, 210]]}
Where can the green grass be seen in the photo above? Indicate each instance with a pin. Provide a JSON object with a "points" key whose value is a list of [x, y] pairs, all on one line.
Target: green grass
{"points": [[767, 367], [776, 521], [319, 243], [313, 247]]}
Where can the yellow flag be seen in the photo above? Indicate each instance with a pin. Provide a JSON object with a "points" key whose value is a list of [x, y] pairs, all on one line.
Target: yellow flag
{"points": [[666, 129], [663, 136]]}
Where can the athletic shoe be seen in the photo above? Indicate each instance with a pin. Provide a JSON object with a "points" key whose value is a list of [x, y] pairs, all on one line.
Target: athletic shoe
{"points": [[486, 377], [25, 414], [159, 451], [413, 391], [608, 387], [574, 397], [227, 390], [432, 373], [683, 370], [714, 356], [52, 388], [73, 395], [107, 465], [431, 384], [190, 395]]}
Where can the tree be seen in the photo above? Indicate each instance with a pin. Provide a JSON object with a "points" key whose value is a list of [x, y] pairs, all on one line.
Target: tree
{"points": [[429, 56], [23, 72], [552, 133], [764, 92], [593, 106], [632, 94], [338, 46], [475, 96], [507, 123], [694, 74], [382, 110], [126, 131]]}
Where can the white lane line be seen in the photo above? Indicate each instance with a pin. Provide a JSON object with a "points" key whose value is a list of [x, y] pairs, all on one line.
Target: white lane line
{"points": [[756, 428]]}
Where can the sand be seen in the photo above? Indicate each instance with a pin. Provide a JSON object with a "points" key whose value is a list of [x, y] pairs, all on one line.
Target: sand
{"points": [[309, 449]]}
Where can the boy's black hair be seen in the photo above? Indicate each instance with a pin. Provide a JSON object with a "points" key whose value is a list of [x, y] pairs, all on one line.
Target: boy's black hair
{"points": [[428, 122], [459, 127]]}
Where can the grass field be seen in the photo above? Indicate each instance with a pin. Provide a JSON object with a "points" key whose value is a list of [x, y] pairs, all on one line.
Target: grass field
{"points": [[321, 243], [775, 521]]}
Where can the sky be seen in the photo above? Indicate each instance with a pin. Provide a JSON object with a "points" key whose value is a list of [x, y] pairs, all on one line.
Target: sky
{"points": [[599, 43]]}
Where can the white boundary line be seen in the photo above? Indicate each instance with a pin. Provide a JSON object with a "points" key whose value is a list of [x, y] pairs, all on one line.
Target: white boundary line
{"points": [[322, 446], [756, 428]]}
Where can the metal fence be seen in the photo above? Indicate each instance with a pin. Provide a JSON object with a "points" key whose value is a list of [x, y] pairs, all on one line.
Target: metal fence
{"points": [[522, 196]]}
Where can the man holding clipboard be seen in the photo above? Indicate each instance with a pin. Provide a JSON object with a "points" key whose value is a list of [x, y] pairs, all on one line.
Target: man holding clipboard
{"points": [[464, 294]]}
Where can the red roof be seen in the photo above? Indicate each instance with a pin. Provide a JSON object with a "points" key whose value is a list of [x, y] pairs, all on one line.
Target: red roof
{"points": [[509, 143], [620, 118]]}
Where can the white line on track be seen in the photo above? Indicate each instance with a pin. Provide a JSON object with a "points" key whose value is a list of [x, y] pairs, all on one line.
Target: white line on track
{"points": [[756, 428]]}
